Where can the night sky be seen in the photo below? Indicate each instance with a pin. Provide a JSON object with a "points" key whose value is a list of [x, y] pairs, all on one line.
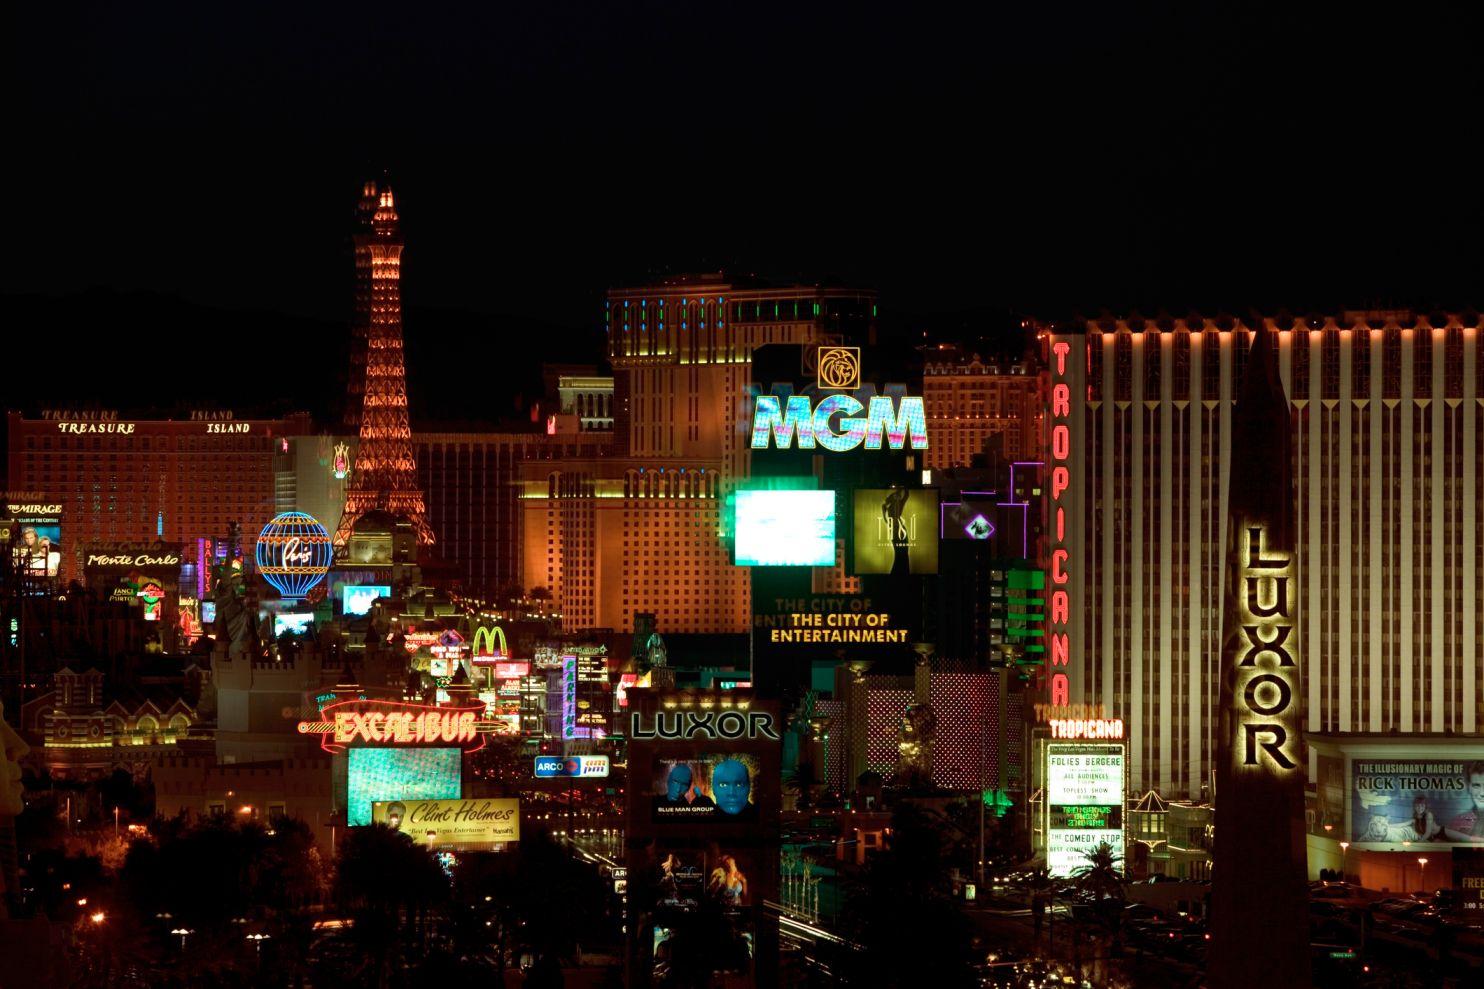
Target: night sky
{"points": [[180, 182]]}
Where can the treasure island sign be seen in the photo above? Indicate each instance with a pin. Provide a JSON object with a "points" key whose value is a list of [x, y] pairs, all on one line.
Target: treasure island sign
{"points": [[394, 723]]}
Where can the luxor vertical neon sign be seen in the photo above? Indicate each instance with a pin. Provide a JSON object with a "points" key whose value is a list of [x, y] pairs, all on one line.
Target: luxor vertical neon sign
{"points": [[1061, 481], [1266, 669]]}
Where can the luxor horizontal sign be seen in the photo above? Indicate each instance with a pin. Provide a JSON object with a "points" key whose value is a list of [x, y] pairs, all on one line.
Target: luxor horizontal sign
{"points": [[703, 724]]}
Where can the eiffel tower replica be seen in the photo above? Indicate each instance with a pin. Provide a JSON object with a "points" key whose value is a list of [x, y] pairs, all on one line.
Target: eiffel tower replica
{"points": [[384, 478], [360, 325]]}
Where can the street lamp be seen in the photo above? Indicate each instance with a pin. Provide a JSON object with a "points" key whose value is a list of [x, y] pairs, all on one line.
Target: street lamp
{"points": [[1344, 866], [183, 933], [257, 940], [1422, 870]]}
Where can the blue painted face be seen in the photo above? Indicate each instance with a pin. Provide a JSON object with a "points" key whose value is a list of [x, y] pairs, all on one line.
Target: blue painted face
{"points": [[679, 781], [731, 786]]}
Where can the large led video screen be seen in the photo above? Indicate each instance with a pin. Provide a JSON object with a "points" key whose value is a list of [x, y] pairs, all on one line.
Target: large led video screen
{"points": [[714, 787], [357, 599], [297, 622], [388, 774], [1412, 800], [896, 531], [785, 529]]}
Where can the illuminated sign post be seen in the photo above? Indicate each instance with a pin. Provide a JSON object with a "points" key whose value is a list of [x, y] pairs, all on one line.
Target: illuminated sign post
{"points": [[126, 558], [572, 766], [294, 554], [486, 649], [443, 823], [1084, 802], [393, 723], [1259, 895], [728, 724], [816, 427], [1060, 614], [898, 422]]}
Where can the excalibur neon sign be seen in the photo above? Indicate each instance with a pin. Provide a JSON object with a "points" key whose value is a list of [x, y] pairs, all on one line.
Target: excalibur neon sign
{"points": [[356, 721]]}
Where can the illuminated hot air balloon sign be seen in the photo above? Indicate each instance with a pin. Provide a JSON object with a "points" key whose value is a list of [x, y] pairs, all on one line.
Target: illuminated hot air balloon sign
{"points": [[294, 553]]}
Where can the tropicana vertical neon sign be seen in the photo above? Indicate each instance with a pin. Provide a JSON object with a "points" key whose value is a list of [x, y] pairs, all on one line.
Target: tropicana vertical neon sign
{"points": [[1061, 482]]}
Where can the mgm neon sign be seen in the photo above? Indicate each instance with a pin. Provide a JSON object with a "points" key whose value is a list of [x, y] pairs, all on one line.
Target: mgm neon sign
{"points": [[836, 423]]}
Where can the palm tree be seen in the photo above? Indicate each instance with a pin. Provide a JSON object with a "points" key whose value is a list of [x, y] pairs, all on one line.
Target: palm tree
{"points": [[389, 885], [1100, 876]]}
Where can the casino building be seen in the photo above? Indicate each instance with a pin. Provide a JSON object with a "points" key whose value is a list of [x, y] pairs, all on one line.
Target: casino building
{"points": [[636, 531], [136, 480], [969, 399], [1386, 458]]}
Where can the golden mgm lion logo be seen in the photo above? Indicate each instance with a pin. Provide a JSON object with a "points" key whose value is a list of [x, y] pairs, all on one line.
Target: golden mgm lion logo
{"points": [[839, 367]]}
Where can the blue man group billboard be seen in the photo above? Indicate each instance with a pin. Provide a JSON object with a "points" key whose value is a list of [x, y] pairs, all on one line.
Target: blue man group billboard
{"points": [[712, 786], [702, 805]]}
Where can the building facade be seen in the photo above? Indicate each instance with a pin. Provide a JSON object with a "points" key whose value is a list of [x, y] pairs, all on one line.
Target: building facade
{"points": [[471, 489], [1387, 453], [968, 400], [136, 480], [640, 531]]}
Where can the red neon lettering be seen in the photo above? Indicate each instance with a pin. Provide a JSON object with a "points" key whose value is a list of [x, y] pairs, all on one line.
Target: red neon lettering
{"points": [[1061, 689], [1061, 348], [1061, 442], [1061, 524], [1059, 607], [1058, 566], [1060, 651], [1060, 480], [1061, 399]]}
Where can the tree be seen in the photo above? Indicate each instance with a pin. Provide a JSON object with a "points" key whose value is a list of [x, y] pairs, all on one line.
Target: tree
{"points": [[389, 886], [906, 898], [222, 878], [1100, 876], [484, 911]]}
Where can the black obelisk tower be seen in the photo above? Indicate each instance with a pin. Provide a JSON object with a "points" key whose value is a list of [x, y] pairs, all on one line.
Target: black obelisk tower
{"points": [[1259, 896]]}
